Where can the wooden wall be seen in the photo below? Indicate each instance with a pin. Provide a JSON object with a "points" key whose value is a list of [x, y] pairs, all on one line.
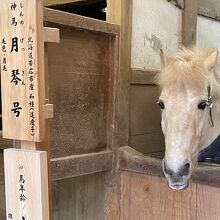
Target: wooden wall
{"points": [[79, 198], [149, 198]]}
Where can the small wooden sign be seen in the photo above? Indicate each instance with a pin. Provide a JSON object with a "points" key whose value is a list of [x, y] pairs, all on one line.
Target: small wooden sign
{"points": [[22, 69], [26, 183]]}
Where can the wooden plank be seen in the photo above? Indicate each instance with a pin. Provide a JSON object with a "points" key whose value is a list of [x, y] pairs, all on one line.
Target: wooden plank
{"points": [[147, 143], [79, 198], [87, 91], [22, 70], [123, 92], [207, 8], [114, 11], [208, 202], [143, 77], [59, 3], [148, 197], [77, 165], [134, 161], [189, 22], [144, 113], [51, 35], [26, 184], [79, 22]]}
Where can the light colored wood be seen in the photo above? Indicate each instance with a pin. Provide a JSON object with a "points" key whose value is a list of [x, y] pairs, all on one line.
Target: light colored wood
{"points": [[114, 8], [189, 22], [48, 111], [149, 198], [28, 145], [208, 202], [24, 53], [51, 35], [26, 169]]}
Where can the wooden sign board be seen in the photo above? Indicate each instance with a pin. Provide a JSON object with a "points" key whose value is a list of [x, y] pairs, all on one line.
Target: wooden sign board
{"points": [[22, 69], [26, 183]]}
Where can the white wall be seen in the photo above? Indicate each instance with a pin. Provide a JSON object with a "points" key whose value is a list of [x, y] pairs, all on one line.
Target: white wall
{"points": [[208, 34], [155, 24]]}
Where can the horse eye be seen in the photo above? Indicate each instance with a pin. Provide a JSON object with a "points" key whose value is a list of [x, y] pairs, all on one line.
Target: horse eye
{"points": [[202, 105], [161, 104]]}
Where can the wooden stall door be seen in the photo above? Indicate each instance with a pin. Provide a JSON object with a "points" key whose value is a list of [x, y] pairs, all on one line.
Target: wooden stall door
{"points": [[82, 83]]}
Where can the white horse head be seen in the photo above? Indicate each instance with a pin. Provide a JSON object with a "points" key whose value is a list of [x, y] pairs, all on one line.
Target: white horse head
{"points": [[188, 85]]}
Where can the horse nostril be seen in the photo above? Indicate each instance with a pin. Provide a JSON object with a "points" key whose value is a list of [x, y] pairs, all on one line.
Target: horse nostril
{"points": [[167, 170], [185, 170]]}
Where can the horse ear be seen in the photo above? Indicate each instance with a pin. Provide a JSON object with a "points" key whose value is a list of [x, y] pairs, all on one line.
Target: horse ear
{"points": [[165, 58], [211, 60]]}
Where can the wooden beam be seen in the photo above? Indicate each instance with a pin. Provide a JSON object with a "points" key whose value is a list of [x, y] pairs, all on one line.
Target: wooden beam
{"points": [[143, 77], [133, 161], [76, 21], [189, 22], [51, 35], [78, 165], [207, 8], [114, 11]]}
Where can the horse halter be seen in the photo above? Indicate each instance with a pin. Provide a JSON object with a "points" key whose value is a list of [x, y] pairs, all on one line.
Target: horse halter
{"points": [[209, 104]]}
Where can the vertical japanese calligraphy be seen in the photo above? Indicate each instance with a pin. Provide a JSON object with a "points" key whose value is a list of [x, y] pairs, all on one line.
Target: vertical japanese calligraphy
{"points": [[26, 184], [22, 69]]}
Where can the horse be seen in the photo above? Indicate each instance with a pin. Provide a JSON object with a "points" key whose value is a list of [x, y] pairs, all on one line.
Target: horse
{"points": [[190, 104]]}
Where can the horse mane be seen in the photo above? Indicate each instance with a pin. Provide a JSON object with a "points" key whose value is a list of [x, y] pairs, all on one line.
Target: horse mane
{"points": [[186, 67]]}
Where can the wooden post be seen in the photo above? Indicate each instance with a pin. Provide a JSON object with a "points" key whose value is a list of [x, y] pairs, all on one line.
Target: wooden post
{"points": [[26, 184], [24, 107], [189, 22]]}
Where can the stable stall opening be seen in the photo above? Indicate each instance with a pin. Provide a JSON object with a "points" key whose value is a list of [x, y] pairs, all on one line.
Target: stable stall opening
{"points": [[93, 9]]}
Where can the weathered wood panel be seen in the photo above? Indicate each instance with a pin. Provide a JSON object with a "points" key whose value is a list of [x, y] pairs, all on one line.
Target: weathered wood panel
{"points": [[208, 202], [145, 131], [149, 198], [79, 91], [146, 197], [77, 165], [155, 25], [189, 22], [79, 198]]}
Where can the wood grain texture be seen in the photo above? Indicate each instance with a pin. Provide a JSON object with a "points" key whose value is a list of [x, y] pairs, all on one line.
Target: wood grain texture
{"points": [[143, 77], [208, 202], [149, 198], [123, 91], [207, 8], [79, 90], [145, 130], [79, 198], [27, 168], [21, 40], [71, 166], [76, 21], [114, 11], [189, 22]]}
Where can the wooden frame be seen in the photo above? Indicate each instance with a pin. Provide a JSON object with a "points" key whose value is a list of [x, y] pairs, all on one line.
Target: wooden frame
{"points": [[65, 166]]}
